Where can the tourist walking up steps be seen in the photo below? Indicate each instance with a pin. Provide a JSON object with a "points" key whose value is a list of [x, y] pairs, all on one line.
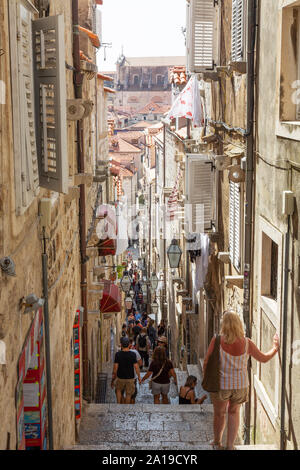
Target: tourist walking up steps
{"points": [[140, 363], [187, 393], [143, 345], [225, 370], [161, 368], [125, 365]]}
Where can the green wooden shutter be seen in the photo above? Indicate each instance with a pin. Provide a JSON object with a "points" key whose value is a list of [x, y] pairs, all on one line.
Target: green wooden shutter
{"points": [[238, 31], [50, 88], [201, 192], [202, 36], [25, 150]]}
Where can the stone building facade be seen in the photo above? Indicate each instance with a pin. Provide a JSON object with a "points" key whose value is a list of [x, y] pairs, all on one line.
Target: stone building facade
{"points": [[252, 134], [69, 190], [142, 80]]}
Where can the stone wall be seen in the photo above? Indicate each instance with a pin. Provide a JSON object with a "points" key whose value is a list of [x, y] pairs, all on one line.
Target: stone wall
{"points": [[21, 239]]}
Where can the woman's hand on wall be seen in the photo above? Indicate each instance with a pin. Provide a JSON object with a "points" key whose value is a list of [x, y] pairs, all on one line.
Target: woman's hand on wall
{"points": [[276, 344]]}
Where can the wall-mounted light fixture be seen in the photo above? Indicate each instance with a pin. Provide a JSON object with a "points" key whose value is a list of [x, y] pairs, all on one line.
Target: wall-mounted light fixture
{"points": [[32, 303], [7, 266], [236, 174], [174, 253]]}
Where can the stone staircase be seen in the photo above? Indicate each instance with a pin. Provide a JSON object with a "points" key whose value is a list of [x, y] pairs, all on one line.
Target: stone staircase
{"points": [[145, 426], [111, 426]]}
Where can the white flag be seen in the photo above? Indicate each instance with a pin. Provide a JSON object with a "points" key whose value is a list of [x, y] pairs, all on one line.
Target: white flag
{"points": [[188, 104]]}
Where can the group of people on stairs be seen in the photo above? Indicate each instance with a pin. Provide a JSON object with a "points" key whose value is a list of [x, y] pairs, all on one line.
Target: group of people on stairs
{"points": [[230, 350]]}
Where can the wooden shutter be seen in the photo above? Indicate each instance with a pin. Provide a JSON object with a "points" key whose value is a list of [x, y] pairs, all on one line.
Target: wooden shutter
{"points": [[235, 224], [201, 192], [238, 31], [202, 35], [50, 88], [25, 150]]}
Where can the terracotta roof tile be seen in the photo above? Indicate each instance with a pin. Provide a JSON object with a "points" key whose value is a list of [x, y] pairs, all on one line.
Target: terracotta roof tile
{"points": [[105, 77], [178, 76], [118, 145], [93, 37]]}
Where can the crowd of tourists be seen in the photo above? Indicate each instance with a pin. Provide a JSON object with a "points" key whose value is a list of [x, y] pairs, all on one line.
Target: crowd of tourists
{"points": [[225, 369]]}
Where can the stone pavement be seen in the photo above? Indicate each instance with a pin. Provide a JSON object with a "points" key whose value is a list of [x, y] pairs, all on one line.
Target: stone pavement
{"points": [[146, 426]]}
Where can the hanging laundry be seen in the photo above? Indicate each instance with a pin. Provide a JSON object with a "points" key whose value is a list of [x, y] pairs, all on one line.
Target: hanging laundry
{"points": [[199, 243], [188, 104]]}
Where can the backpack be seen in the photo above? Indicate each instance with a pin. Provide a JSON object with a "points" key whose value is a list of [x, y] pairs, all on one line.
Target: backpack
{"points": [[142, 341]]}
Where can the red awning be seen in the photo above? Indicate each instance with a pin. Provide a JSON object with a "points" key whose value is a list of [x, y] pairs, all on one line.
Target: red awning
{"points": [[107, 247], [106, 230], [111, 300]]}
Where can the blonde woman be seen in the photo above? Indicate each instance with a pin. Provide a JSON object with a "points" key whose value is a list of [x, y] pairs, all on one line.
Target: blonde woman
{"points": [[235, 350]]}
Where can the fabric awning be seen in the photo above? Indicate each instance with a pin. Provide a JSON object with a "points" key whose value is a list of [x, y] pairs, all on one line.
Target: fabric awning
{"points": [[111, 299], [106, 230]]}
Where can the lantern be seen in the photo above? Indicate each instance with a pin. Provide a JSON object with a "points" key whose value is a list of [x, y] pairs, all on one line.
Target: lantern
{"points": [[174, 253], [125, 283], [154, 282]]}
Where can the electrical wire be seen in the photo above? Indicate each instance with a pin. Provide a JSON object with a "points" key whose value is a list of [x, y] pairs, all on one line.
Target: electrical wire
{"points": [[272, 164]]}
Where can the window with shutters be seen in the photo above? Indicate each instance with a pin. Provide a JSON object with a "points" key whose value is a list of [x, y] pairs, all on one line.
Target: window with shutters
{"points": [[202, 37], [235, 218], [22, 83], [50, 103], [38, 101], [200, 208], [238, 30]]}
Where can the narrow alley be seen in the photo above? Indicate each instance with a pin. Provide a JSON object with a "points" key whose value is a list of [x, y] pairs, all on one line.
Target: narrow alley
{"points": [[149, 226]]}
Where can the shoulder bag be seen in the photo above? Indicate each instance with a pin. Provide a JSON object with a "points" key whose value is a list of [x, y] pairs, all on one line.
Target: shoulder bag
{"points": [[157, 375], [211, 379]]}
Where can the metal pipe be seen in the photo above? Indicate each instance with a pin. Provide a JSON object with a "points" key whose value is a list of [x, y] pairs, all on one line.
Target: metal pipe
{"points": [[284, 337], [47, 341], [78, 79], [251, 33]]}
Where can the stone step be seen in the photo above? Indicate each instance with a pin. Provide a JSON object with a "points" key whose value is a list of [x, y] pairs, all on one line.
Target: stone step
{"points": [[256, 447], [142, 446], [181, 378], [103, 408], [194, 369]]}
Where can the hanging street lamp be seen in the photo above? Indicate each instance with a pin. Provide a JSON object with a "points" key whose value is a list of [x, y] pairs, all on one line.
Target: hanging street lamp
{"points": [[144, 288], [125, 283], [174, 253], [154, 307], [128, 303], [131, 293], [154, 282]]}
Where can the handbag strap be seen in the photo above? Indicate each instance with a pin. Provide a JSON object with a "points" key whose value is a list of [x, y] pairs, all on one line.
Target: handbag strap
{"points": [[159, 372]]}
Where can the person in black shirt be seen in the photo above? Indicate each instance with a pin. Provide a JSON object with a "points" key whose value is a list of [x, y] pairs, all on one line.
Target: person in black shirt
{"points": [[124, 366], [136, 330]]}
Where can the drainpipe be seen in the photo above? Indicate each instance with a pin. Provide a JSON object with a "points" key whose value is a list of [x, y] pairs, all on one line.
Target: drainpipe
{"points": [[47, 341], [284, 336], [251, 34], [78, 79]]}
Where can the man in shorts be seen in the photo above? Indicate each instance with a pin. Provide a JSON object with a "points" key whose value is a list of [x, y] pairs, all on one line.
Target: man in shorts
{"points": [[140, 363], [125, 366]]}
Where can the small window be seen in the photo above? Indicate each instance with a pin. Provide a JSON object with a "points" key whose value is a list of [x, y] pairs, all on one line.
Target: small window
{"points": [[135, 80], [159, 80], [269, 273]]}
